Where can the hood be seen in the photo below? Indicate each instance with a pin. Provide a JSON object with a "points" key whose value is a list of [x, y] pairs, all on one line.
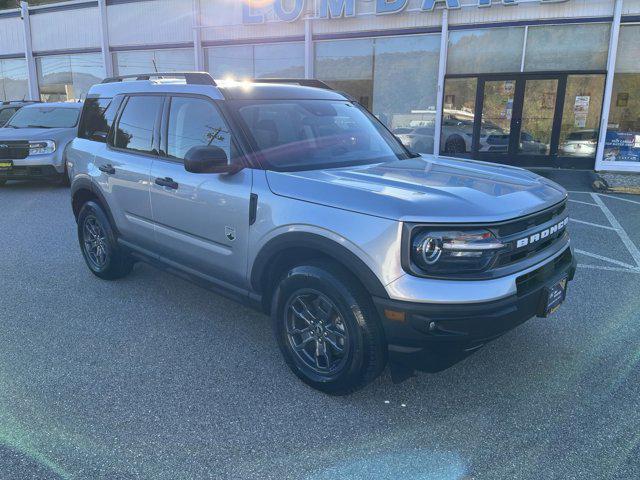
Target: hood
{"points": [[424, 189], [36, 133]]}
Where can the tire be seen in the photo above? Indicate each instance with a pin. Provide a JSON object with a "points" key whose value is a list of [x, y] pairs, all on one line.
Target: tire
{"points": [[348, 321], [455, 146], [98, 243]]}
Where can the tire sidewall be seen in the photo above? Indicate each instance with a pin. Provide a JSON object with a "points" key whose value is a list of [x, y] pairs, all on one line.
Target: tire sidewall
{"points": [[324, 281]]}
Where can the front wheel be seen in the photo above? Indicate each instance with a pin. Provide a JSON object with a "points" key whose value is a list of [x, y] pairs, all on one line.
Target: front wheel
{"points": [[327, 329], [99, 246]]}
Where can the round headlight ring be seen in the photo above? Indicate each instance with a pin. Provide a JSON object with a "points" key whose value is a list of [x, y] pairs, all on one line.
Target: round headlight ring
{"points": [[430, 250]]}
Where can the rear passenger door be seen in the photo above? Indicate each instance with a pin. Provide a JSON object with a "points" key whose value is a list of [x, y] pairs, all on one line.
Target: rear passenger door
{"points": [[201, 219], [124, 166]]}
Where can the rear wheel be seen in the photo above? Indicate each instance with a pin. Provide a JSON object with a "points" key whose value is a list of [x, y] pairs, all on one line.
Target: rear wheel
{"points": [[327, 329], [99, 246]]}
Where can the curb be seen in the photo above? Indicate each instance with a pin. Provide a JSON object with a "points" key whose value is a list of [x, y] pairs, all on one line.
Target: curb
{"points": [[600, 185]]}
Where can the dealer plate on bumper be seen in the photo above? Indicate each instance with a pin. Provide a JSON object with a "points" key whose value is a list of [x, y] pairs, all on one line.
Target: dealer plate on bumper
{"points": [[552, 297], [5, 165]]}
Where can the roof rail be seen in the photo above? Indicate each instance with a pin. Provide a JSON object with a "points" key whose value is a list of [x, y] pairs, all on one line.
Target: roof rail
{"points": [[303, 82], [192, 78]]}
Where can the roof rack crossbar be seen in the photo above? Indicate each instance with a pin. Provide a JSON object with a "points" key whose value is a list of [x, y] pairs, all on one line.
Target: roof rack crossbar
{"points": [[303, 82], [192, 78]]}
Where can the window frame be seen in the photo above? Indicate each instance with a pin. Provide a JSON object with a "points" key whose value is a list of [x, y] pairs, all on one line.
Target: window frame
{"points": [[116, 99], [235, 143], [155, 143]]}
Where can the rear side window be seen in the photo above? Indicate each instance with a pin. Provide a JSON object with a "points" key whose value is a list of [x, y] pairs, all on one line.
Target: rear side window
{"points": [[195, 122], [97, 118], [136, 126]]}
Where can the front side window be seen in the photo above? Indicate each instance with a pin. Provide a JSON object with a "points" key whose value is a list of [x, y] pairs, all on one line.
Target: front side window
{"points": [[44, 117], [313, 134], [195, 122], [136, 126]]}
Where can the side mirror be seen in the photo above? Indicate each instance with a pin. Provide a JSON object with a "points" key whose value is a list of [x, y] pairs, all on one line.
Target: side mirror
{"points": [[208, 159]]}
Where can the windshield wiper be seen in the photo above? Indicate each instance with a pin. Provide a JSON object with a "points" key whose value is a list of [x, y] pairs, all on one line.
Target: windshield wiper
{"points": [[37, 126]]}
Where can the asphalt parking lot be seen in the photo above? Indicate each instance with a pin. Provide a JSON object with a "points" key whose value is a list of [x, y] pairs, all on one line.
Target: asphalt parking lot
{"points": [[153, 377]]}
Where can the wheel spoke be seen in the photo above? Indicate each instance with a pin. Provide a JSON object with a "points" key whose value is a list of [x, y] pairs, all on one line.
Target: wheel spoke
{"points": [[316, 332], [301, 309], [324, 308], [336, 347], [303, 343]]}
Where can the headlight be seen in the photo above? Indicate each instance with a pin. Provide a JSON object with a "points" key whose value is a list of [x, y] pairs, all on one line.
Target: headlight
{"points": [[43, 147], [454, 252]]}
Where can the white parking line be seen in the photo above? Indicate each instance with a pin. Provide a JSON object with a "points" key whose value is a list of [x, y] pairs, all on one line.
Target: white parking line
{"points": [[606, 227], [633, 250], [619, 198], [583, 203], [609, 269], [605, 259]]}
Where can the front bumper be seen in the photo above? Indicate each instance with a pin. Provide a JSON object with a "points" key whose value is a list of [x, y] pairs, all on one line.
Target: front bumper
{"points": [[22, 172], [420, 329]]}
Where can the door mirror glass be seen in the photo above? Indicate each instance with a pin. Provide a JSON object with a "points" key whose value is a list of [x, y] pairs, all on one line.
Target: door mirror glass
{"points": [[208, 159]]}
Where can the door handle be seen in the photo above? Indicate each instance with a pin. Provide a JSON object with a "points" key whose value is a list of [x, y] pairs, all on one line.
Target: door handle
{"points": [[108, 169], [167, 182]]}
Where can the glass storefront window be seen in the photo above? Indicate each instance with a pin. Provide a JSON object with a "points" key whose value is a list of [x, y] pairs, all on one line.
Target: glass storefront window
{"points": [[284, 60], [458, 116], [581, 117], [146, 61], [487, 50], [234, 61], [68, 77], [13, 79], [567, 47], [347, 65], [623, 131], [281, 60], [395, 77], [407, 107]]}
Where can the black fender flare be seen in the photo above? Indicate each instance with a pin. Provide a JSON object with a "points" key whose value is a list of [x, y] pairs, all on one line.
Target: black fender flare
{"points": [[341, 254], [86, 184]]}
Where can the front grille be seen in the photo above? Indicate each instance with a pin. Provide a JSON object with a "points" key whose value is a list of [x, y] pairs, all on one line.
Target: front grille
{"points": [[524, 228], [532, 280], [531, 221], [14, 149]]}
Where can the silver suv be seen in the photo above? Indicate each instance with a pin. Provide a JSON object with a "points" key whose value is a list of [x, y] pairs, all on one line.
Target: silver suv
{"points": [[293, 198]]}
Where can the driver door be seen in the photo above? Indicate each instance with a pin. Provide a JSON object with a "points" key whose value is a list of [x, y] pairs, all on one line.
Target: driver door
{"points": [[201, 220]]}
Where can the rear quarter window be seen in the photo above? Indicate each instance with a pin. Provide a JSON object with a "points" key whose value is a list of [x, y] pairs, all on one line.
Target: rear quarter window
{"points": [[97, 118]]}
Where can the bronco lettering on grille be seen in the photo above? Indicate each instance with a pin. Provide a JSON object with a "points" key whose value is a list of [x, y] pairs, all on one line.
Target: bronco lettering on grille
{"points": [[536, 237]]}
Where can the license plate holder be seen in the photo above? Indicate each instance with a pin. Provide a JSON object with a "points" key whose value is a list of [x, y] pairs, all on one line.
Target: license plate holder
{"points": [[5, 165], [553, 296]]}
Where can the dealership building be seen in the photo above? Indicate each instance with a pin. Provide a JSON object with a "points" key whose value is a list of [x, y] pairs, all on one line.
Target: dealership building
{"points": [[536, 83]]}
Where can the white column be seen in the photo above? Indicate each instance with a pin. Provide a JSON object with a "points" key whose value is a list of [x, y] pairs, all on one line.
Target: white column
{"points": [[608, 89], [32, 75], [197, 36], [442, 70], [308, 48], [107, 59]]}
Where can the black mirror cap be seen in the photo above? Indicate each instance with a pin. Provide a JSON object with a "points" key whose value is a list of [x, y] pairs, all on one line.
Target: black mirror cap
{"points": [[208, 159]]}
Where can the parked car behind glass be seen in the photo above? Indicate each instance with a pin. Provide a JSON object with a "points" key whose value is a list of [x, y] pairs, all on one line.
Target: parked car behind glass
{"points": [[33, 141]]}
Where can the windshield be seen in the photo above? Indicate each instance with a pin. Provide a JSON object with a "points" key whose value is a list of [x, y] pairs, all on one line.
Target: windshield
{"points": [[44, 117], [313, 134]]}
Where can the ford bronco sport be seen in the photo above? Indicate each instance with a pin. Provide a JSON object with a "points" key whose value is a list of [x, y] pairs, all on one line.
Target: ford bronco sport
{"points": [[292, 197]]}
